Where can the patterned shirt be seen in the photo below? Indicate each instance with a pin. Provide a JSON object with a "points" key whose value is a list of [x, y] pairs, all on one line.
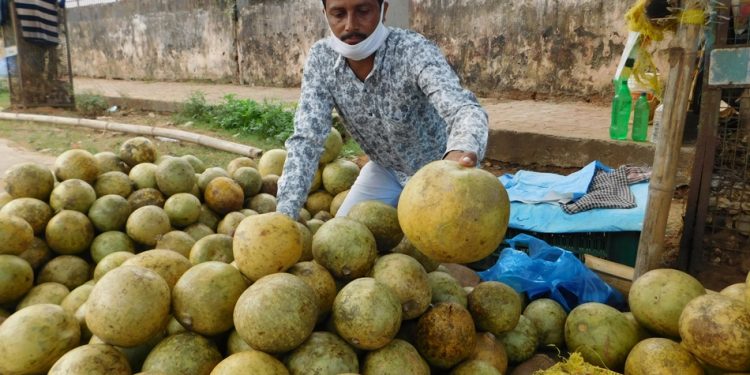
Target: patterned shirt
{"points": [[410, 110]]}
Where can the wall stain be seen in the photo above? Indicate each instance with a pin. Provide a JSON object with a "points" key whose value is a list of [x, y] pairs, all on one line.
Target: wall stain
{"points": [[550, 47], [154, 40], [498, 48]]}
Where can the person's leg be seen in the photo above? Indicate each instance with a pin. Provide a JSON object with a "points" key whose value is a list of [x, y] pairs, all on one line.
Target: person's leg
{"points": [[374, 183]]}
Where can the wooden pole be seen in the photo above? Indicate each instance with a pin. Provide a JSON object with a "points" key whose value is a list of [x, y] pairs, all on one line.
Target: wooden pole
{"points": [[682, 60]]}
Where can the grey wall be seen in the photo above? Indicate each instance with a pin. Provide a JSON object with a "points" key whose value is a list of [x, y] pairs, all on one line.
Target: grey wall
{"points": [[565, 47], [399, 14], [155, 40], [498, 47], [273, 39]]}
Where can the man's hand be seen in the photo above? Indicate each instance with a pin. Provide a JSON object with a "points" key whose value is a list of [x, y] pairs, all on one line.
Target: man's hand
{"points": [[466, 159]]}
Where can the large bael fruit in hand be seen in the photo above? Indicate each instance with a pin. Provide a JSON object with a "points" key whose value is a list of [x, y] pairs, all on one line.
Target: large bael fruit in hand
{"points": [[454, 214]]}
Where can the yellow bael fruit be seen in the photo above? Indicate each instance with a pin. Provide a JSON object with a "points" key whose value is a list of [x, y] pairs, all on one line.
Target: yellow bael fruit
{"points": [[454, 214]]}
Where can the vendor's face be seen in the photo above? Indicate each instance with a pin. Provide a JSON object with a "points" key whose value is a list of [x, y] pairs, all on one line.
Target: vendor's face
{"points": [[353, 21]]}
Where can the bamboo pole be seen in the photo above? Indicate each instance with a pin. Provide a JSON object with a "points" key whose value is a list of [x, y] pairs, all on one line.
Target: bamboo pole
{"points": [[181, 135], [682, 60], [617, 275]]}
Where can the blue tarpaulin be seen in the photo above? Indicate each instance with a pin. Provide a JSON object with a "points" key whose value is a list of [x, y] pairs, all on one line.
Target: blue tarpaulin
{"points": [[536, 198]]}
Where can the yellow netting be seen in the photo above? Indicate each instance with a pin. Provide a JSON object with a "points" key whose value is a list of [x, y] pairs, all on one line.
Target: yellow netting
{"points": [[638, 21], [575, 365], [692, 17], [644, 70], [693, 14]]}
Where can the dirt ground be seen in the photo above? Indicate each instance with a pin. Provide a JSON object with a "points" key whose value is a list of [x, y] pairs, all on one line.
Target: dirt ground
{"points": [[50, 141], [12, 153], [41, 143]]}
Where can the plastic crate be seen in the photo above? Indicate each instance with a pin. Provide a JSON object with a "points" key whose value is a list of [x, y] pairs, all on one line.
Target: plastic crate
{"points": [[619, 247]]}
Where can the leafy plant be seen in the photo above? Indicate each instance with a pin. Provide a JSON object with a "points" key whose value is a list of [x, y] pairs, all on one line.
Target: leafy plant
{"points": [[271, 122], [265, 119], [90, 104], [197, 108]]}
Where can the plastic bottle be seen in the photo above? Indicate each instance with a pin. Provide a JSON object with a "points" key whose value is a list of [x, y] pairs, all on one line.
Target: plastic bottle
{"points": [[636, 89], [621, 107], [658, 112], [640, 118]]}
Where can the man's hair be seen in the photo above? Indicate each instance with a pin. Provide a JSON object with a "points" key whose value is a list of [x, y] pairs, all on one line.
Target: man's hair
{"points": [[380, 2]]}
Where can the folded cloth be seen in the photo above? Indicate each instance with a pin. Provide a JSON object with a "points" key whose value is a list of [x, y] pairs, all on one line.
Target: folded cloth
{"points": [[39, 20], [550, 218], [610, 189], [536, 187], [637, 174]]}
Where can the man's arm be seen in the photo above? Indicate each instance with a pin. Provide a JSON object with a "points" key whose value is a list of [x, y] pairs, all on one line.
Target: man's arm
{"points": [[312, 123], [466, 120]]}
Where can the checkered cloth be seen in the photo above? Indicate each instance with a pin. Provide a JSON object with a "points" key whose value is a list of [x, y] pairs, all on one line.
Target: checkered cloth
{"points": [[610, 189]]}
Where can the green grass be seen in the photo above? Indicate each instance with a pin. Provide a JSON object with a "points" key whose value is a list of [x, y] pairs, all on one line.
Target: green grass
{"points": [[263, 125], [236, 136], [4, 98]]}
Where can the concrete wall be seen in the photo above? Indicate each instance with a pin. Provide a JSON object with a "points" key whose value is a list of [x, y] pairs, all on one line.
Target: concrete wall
{"points": [[274, 37], [155, 40], [520, 48], [563, 47], [399, 14]]}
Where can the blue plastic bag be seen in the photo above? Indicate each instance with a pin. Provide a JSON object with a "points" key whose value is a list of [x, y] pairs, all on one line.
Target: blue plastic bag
{"points": [[550, 272]]}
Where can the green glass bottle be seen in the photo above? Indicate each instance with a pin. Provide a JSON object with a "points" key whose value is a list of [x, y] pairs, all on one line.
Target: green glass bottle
{"points": [[640, 119], [621, 107]]}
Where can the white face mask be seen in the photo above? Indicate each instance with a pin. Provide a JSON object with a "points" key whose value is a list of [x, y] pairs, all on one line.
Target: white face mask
{"points": [[365, 48]]}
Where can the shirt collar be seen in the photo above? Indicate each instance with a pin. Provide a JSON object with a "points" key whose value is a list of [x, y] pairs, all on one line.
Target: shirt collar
{"points": [[340, 63]]}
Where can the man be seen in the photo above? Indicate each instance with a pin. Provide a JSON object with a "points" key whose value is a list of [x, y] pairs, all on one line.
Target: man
{"points": [[396, 95]]}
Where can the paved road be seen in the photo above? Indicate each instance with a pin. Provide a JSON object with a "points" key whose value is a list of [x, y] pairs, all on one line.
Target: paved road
{"points": [[566, 119]]}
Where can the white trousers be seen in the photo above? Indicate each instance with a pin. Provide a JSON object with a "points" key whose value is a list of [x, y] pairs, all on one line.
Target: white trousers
{"points": [[374, 183]]}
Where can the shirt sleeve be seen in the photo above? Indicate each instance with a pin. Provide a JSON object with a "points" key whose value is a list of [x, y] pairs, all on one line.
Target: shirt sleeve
{"points": [[312, 123], [465, 118]]}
